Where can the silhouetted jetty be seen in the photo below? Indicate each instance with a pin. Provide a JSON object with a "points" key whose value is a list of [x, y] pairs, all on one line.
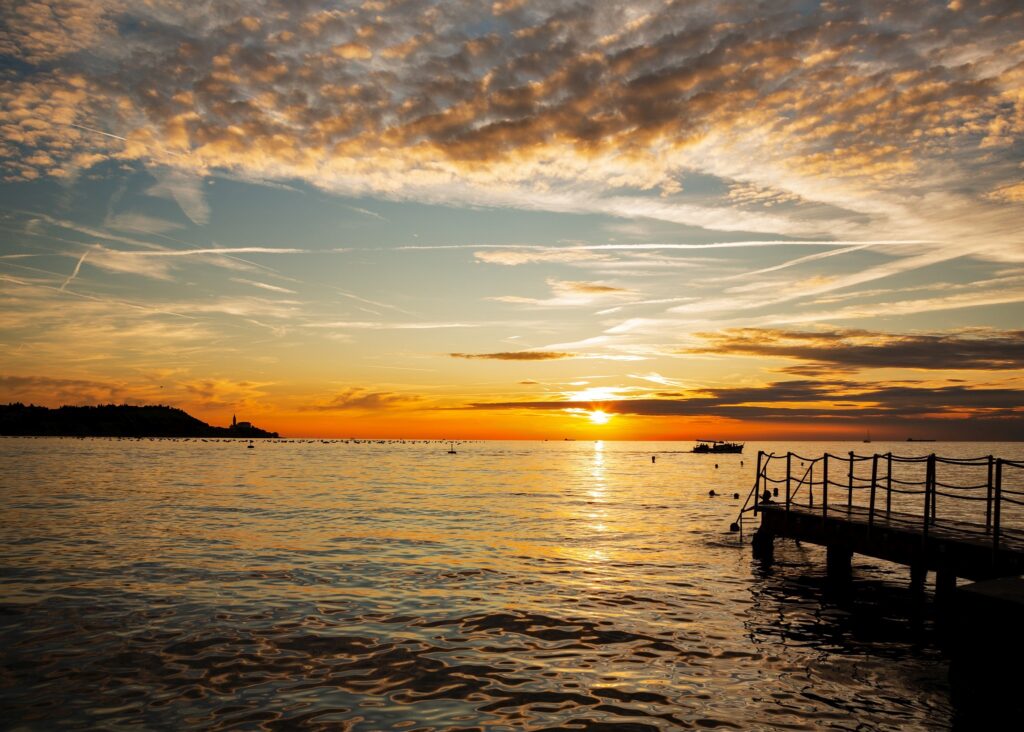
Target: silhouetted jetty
{"points": [[831, 501], [848, 504]]}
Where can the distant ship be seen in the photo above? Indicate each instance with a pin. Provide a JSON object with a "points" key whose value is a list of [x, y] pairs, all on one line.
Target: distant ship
{"points": [[717, 447]]}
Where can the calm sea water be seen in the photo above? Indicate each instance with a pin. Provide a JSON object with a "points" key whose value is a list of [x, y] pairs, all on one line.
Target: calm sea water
{"points": [[172, 584]]}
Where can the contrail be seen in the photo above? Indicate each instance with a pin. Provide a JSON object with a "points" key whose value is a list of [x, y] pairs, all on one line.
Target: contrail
{"points": [[74, 274], [230, 250], [800, 260], [123, 139], [98, 132], [642, 247]]}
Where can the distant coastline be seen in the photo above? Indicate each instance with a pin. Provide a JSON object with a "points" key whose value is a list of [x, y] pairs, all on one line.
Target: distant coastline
{"points": [[114, 420]]}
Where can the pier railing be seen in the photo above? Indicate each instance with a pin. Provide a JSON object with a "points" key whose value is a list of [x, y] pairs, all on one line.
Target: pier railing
{"points": [[885, 487]]}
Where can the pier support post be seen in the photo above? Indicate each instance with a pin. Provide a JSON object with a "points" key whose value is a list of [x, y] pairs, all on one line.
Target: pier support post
{"points": [[918, 575], [839, 562], [763, 544]]}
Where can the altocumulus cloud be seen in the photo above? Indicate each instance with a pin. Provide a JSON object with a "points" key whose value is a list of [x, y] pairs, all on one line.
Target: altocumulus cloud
{"points": [[474, 100]]}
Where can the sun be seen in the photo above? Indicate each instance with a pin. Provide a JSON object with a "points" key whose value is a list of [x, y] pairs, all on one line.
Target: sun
{"points": [[599, 417]]}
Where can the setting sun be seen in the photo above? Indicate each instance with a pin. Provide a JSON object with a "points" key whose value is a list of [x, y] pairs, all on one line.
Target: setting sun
{"points": [[599, 417]]}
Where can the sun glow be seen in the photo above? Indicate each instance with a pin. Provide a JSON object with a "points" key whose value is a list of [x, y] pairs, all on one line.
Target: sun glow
{"points": [[599, 417]]}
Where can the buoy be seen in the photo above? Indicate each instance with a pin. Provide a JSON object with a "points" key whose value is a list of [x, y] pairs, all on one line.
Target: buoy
{"points": [[652, 458], [712, 494], [775, 492], [734, 527], [716, 466], [735, 496]]}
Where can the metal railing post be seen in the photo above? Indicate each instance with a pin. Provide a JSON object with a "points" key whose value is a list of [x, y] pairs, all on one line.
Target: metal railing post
{"points": [[996, 505], [824, 488], [935, 479], [888, 485], [874, 482], [927, 495], [810, 488], [849, 496], [789, 460], [988, 496], [757, 482]]}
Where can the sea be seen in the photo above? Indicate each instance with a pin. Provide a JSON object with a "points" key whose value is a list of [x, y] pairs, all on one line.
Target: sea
{"points": [[388, 585]]}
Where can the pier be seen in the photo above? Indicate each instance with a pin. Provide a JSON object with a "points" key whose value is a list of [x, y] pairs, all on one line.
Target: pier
{"points": [[955, 517], [958, 518]]}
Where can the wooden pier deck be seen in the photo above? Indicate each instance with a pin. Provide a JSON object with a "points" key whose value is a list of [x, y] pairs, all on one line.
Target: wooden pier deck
{"points": [[952, 546]]}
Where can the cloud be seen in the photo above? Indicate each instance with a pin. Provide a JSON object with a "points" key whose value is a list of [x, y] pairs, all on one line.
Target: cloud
{"points": [[849, 350], [75, 271], [383, 325], [585, 288], [147, 388], [55, 391], [568, 293], [363, 399], [140, 223], [750, 193], [517, 355], [159, 263], [186, 190], [656, 378], [513, 257], [224, 393], [39, 31], [836, 118], [1009, 193], [263, 285], [788, 401]]}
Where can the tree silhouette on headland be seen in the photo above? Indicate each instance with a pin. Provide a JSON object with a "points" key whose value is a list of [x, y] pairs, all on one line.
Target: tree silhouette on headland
{"points": [[114, 420]]}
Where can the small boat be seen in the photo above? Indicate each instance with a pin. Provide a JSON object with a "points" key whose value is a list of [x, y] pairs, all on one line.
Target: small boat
{"points": [[717, 447], [451, 450]]}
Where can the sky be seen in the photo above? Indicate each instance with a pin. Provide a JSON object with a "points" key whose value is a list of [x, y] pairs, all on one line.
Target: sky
{"points": [[515, 219]]}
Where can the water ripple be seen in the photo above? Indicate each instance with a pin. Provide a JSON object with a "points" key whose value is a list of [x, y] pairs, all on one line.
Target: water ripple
{"points": [[169, 585]]}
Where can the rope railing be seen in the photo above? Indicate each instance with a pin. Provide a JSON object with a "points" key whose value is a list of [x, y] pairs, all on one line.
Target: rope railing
{"points": [[804, 476]]}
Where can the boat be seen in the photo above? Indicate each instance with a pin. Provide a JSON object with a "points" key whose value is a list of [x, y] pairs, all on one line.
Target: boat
{"points": [[717, 447]]}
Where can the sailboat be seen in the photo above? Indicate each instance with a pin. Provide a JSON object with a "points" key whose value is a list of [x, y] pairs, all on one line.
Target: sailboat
{"points": [[867, 437]]}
